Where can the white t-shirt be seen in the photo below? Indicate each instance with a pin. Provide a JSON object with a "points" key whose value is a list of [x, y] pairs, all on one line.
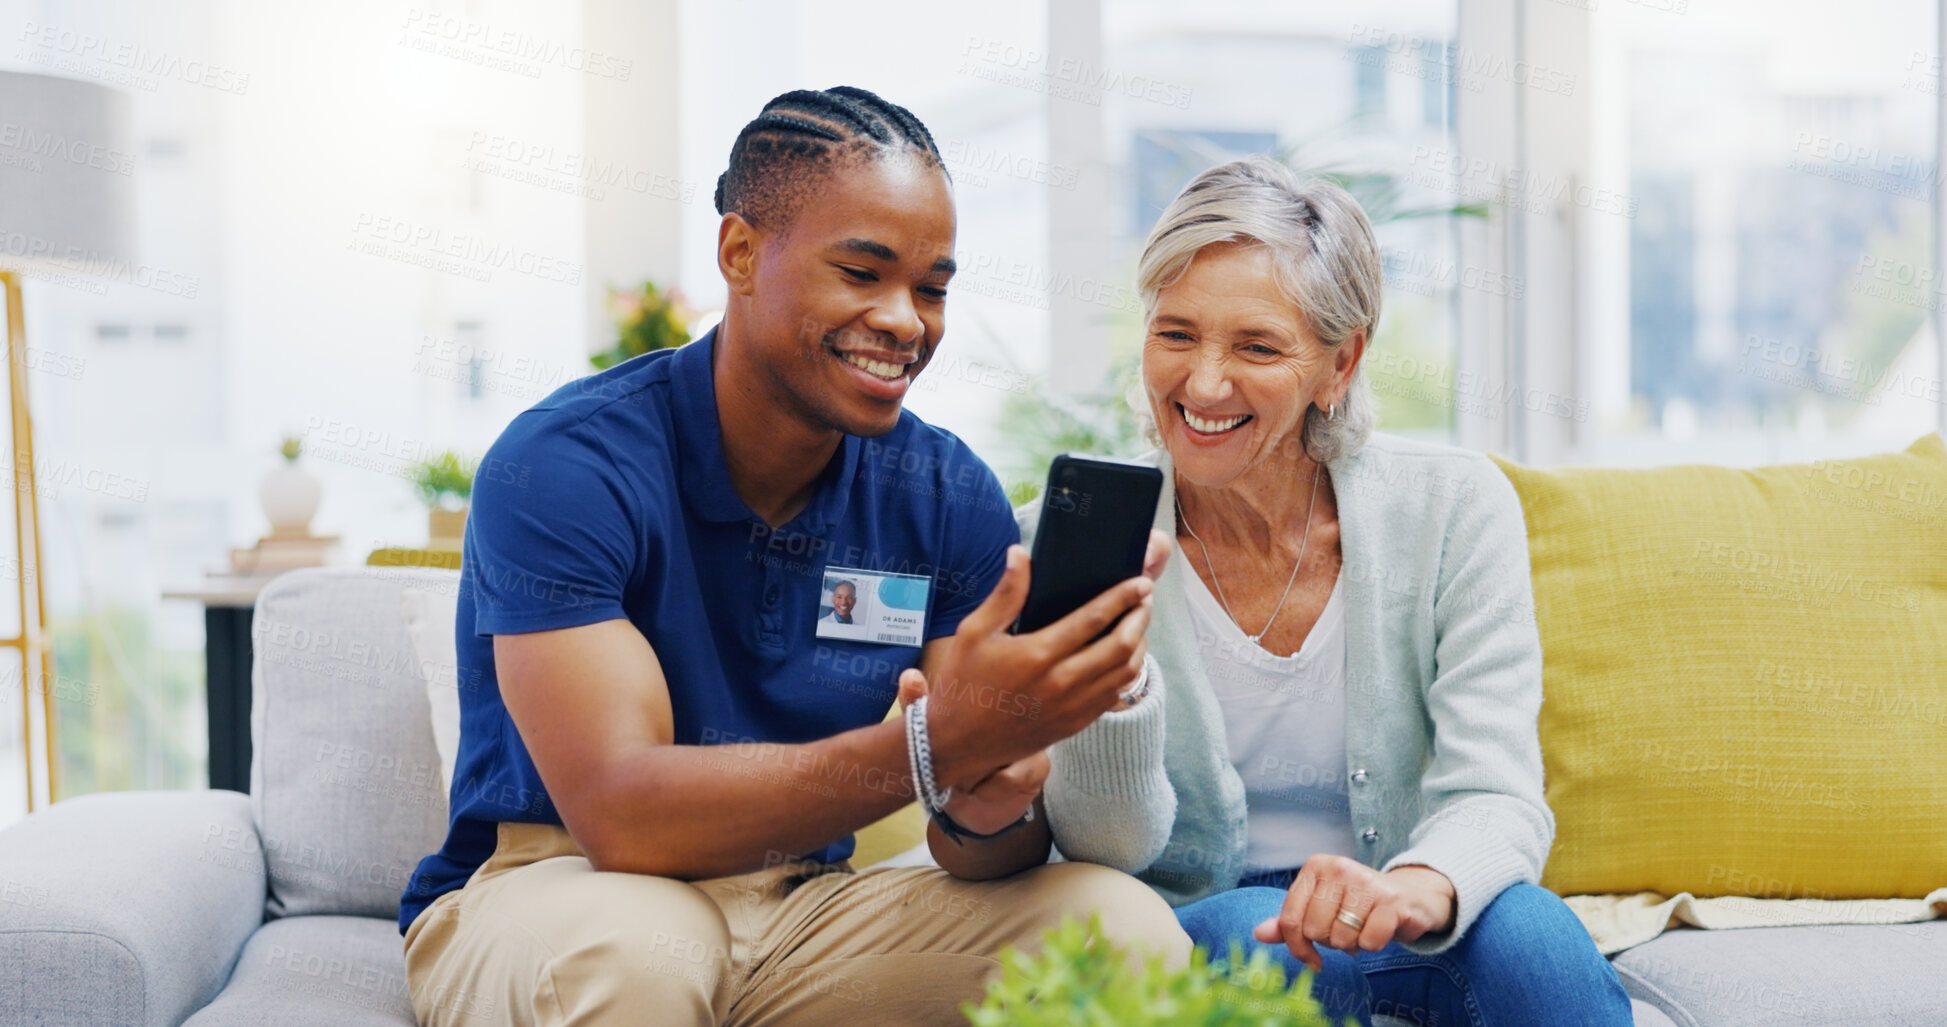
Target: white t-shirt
{"points": [[1284, 717]]}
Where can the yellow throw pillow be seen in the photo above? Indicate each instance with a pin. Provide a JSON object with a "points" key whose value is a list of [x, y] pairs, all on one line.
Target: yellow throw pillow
{"points": [[890, 836], [1745, 676]]}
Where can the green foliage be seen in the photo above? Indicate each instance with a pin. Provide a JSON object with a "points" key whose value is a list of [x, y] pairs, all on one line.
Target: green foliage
{"points": [[122, 702], [444, 481], [1080, 979], [1023, 491], [1415, 382], [1042, 423], [291, 447], [1381, 196], [645, 320], [1869, 329]]}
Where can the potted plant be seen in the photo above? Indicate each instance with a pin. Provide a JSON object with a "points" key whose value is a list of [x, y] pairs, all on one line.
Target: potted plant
{"points": [[1080, 979], [445, 485], [645, 319], [289, 493]]}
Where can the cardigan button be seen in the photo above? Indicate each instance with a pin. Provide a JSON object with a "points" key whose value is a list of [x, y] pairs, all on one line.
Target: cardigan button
{"points": [[1371, 835], [1359, 777]]}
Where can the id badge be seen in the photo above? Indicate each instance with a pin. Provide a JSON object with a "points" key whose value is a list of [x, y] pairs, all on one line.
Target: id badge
{"points": [[873, 606]]}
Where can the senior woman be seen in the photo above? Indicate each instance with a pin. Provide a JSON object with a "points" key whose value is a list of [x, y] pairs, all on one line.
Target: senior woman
{"points": [[1336, 754]]}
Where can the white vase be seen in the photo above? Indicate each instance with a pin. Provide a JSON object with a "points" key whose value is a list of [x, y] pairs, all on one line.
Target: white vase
{"points": [[290, 497]]}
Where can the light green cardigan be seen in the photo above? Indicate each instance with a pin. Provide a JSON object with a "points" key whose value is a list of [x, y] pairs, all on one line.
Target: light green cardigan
{"points": [[1443, 680]]}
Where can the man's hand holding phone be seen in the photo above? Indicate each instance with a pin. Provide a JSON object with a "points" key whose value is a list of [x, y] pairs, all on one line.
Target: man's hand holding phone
{"points": [[1000, 699]]}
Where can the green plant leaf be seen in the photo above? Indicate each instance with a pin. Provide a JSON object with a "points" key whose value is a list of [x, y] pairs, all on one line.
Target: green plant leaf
{"points": [[443, 481], [646, 319], [1081, 979]]}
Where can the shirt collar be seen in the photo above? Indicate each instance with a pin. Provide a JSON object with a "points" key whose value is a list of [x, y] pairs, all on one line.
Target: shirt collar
{"points": [[705, 475]]}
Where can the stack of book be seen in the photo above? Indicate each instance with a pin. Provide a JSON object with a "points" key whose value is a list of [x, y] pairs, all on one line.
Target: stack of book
{"points": [[274, 554]]}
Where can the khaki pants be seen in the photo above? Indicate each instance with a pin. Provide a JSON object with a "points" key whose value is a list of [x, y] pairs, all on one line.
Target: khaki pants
{"points": [[538, 936]]}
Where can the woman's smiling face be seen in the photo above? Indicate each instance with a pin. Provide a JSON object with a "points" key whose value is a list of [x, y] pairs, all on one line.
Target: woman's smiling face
{"points": [[1230, 366]]}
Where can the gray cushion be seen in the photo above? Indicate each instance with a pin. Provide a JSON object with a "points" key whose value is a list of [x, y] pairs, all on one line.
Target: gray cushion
{"points": [[1648, 1015], [331, 971], [1824, 976], [344, 778], [126, 908]]}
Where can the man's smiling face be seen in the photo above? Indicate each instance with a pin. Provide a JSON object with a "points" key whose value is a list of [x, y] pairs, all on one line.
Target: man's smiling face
{"points": [[844, 597], [851, 296]]}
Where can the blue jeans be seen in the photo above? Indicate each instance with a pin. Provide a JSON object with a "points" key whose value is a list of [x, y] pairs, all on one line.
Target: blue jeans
{"points": [[1525, 960]]}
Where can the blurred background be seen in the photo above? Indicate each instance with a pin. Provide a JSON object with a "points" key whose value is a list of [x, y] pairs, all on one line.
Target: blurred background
{"points": [[288, 270]]}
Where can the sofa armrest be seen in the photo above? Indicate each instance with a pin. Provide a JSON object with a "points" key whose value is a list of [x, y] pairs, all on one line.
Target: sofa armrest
{"points": [[126, 908]]}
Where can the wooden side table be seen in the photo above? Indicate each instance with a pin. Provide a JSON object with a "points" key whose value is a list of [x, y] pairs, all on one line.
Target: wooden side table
{"points": [[229, 604]]}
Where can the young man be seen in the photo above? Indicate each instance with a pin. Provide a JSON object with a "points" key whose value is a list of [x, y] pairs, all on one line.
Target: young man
{"points": [[660, 774]]}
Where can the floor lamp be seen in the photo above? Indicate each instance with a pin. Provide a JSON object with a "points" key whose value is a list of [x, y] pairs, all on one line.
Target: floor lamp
{"points": [[30, 645], [67, 203]]}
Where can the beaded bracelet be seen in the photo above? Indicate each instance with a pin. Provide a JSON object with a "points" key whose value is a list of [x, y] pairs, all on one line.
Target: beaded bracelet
{"points": [[919, 753]]}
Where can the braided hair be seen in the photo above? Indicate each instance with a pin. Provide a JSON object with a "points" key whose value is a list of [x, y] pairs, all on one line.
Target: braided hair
{"points": [[780, 157]]}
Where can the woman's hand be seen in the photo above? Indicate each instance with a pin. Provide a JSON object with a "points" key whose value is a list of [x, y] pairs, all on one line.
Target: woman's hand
{"points": [[1399, 905], [1002, 798], [1156, 555]]}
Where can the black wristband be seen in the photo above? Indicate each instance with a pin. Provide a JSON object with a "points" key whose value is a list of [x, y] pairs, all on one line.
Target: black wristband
{"points": [[953, 829]]}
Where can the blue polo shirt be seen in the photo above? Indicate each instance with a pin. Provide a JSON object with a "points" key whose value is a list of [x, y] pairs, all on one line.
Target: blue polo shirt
{"points": [[611, 499]]}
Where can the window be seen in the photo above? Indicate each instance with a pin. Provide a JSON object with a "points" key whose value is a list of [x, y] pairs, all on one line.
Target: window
{"points": [[1068, 128], [1167, 158], [1352, 124], [1776, 276], [1437, 83], [466, 337], [1369, 79]]}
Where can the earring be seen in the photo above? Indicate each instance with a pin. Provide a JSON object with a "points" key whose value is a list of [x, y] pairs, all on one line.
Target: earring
{"points": [[1332, 412]]}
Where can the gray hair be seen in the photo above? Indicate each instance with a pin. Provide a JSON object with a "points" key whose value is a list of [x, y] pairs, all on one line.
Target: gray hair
{"points": [[1324, 257]]}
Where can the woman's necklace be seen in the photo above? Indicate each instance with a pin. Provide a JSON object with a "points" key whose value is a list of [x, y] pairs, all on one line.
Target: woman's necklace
{"points": [[1257, 639]]}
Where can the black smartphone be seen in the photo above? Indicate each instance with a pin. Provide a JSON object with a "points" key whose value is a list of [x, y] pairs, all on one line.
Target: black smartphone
{"points": [[1094, 528]]}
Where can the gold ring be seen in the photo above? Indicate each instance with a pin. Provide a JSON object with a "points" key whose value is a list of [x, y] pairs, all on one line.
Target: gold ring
{"points": [[1352, 920]]}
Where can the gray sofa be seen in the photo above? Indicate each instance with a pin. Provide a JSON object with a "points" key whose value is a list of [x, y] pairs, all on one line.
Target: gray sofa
{"points": [[214, 908]]}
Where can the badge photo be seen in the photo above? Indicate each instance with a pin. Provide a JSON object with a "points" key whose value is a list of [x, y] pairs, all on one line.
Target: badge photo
{"points": [[873, 606]]}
